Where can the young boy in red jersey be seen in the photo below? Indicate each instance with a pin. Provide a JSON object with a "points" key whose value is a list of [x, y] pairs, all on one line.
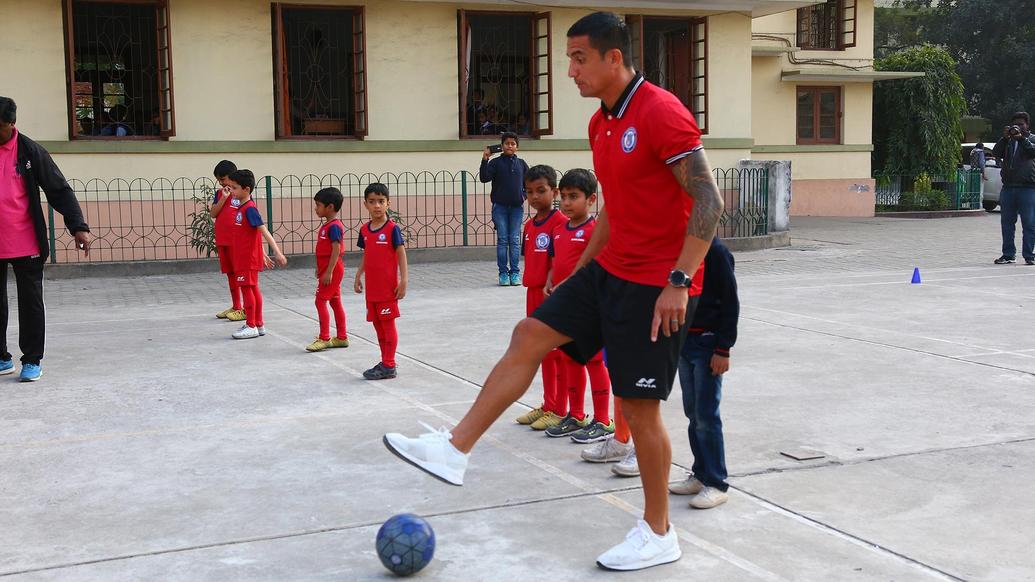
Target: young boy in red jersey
{"points": [[248, 255], [330, 270], [384, 264], [223, 227], [568, 242], [541, 189]]}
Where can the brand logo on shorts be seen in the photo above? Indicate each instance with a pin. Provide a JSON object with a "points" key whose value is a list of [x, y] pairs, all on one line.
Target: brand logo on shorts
{"points": [[629, 140], [647, 383], [386, 311], [542, 240], [240, 278]]}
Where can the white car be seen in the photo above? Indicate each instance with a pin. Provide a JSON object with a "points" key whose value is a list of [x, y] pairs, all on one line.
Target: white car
{"points": [[993, 181]]}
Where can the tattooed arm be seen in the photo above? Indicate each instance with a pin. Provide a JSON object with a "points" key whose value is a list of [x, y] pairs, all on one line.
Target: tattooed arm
{"points": [[695, 176]]}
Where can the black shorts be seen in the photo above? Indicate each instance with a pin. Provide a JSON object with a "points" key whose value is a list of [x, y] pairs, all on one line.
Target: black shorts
{"points": [[598, 310]]}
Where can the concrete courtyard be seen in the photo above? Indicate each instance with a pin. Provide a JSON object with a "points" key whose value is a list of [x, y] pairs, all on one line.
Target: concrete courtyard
{"points": [[156, 448]]}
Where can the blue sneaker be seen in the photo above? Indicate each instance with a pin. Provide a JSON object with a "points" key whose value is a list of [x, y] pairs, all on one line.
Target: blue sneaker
{"points": [[31, 372], [504, 280], [515, 279], [6, 367]]}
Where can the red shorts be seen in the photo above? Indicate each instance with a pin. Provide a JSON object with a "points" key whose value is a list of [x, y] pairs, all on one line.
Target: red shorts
{"points": [[534, 298], [382, 310], [225, 264], [247, 278], [328, 292]]}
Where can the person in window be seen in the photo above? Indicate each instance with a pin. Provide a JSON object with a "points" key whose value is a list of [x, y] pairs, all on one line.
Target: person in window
{"points": [[522, 127], [475, 111], [490, 126], [114, 124]]}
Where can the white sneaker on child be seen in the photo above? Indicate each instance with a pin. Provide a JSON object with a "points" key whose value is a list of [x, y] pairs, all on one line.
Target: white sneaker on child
{"points": [[432, 452], [246, 332], [641, 549], [607, 451]]}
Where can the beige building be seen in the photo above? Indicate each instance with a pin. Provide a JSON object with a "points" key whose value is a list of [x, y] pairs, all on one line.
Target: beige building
{"points": [[165, 88]]}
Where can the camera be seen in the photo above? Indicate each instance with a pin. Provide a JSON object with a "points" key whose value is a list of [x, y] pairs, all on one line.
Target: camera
{"points": [[495, 148], [1014, 129]]}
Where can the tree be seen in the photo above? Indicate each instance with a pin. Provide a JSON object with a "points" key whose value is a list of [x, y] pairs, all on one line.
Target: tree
{"points": [[916, 124]]}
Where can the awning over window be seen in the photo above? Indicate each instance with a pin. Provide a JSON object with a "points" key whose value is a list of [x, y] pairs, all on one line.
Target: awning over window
{"points": [[693, 7], [845, 75]]}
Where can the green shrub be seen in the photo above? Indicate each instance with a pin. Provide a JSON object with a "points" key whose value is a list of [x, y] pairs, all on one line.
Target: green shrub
{"points": [[202, 227]]}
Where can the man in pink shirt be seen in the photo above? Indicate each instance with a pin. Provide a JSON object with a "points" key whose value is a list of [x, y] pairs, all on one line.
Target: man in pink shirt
{"points": [[25, 168]]}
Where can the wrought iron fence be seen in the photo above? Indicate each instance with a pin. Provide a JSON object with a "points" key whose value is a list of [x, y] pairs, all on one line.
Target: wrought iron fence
{"points": [[140, 219], [955, 191]]}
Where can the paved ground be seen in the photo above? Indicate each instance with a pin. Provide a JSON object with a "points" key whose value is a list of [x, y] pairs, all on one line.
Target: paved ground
{"points": [[157, 448]]}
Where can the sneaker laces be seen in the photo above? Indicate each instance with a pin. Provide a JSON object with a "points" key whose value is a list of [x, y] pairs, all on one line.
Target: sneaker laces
{"points": [[639, 536], [435, 434]]}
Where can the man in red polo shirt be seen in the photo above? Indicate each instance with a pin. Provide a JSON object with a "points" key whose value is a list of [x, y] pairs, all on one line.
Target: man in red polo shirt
{"points": [[631, 293], [25, 167]]}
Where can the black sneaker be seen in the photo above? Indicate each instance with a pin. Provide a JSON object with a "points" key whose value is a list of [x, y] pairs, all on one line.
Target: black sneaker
{"points": [[595, 432], [567, 426], [1003, 260], [1028, 261], [379, 372]]}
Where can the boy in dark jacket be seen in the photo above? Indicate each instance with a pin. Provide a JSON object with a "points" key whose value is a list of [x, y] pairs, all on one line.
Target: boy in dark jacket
{"points": [[705, 358], [507, 174]]}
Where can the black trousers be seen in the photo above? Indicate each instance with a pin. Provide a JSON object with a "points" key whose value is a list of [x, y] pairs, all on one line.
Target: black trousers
{"points": [[28, 274]]}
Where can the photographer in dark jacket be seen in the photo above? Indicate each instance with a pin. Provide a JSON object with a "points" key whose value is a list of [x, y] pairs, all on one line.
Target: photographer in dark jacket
{"points": [[507, 174], [1017, 150], [25, 167]]}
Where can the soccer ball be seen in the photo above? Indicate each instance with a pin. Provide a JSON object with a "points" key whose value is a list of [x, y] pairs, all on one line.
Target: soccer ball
{"points": [[405, 544]]}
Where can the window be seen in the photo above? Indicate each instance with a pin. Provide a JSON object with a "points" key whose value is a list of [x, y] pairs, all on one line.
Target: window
{"points": [[505, 74], [819, 115], [828, 26], [119, 69], [319, 63], [673, 53]]}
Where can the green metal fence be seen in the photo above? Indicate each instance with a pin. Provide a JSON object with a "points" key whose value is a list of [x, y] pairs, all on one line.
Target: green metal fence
{"points": [[960, 190], [140, 219]]}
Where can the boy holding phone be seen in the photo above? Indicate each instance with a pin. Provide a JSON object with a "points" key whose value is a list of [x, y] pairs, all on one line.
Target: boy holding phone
{"points": [[507, 174]]}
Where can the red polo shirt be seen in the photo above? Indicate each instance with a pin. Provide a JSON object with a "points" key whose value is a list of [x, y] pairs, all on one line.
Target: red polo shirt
{"points": [[634, 147], [19, 234]]}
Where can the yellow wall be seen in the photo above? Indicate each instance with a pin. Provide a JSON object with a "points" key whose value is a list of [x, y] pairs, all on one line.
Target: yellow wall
{"points": [[729, 69], [785, 24], [32, 66]]}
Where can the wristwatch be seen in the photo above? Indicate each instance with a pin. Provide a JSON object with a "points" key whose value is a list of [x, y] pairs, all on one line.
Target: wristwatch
{"points": [[678, 278]]}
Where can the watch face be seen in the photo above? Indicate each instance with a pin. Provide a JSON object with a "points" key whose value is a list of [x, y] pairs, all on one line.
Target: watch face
{"points": [[678, 278]]}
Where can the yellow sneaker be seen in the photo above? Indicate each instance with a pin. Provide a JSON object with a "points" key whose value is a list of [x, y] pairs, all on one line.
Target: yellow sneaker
{"points": [[338, 343], [531, 416], [546, 421], [237, 315], [318, 345], [222, 314]]}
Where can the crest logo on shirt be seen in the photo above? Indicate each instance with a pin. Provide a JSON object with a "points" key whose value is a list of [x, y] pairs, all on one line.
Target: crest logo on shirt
{"points": [[629, 140], [238, 218], [542, 240], [381, 236], [579, 233], [234, 202]]}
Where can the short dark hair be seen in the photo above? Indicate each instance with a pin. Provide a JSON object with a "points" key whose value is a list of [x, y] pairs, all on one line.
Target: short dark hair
{"points": [[1019, 115], [376, 188], [541, 172], [8, 110], [509, 135], [580, 179], [606, 31], [243, 178], [330, 197], [224, 169]]}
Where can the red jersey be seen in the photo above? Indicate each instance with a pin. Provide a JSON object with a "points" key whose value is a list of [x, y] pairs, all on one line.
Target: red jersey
{"points": [[634, 147], [569, 242], [380, 260], [535, 247], [332, 231], [224, 223], [247, 240]]}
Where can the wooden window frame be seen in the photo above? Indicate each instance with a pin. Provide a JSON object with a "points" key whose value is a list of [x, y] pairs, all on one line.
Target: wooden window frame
{"points": [[838, 106], [845, 12], [698, 38], [542, 71], [360, 97], [164, 72]]}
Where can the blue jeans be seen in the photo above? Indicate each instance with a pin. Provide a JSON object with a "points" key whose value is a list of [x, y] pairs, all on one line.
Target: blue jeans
{"points": [[1017, 201], [507, 220], [701, 394]]}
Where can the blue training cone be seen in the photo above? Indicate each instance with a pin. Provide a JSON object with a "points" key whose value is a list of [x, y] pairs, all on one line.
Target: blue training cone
{"points": [[916, 276]]}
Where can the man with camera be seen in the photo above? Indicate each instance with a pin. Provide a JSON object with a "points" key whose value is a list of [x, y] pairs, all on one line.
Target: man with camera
{"points": [[507, 174], [1017, 150]]}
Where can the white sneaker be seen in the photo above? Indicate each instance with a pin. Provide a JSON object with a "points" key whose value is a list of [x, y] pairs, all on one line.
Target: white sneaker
{"points": [[431, 452], [628, 467], [641, 549], [607, 451], [688, 486], [246, 332], [708, 498], [262, 330]]}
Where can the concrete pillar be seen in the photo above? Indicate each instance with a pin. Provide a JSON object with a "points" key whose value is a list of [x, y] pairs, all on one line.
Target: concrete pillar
{"points": [[779, 191]]}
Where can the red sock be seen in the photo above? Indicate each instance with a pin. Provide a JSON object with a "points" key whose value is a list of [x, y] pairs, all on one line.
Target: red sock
{"points": [[252, 305], [388, 339], [324, 316], [555, 393], [622, 433], [600, 387], [339, 319], [235, 292], [576, 384]]}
